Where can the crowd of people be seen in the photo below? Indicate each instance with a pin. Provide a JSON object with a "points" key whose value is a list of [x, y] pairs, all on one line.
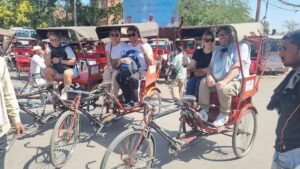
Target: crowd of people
{"points": [[212, 68]]}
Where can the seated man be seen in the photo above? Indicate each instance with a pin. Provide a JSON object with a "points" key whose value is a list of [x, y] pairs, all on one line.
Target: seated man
{"points": [[60, 62], [223, 76], [144, 58]]}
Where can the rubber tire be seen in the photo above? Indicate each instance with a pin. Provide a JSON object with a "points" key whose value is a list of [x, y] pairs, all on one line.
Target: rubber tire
{"points": [[64, 114], [119, 139], [235, 130]]}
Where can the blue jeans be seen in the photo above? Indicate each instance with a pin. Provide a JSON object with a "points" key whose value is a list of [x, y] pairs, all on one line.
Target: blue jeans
{"points": [[192, 86], [3, 144], [287, 160]]}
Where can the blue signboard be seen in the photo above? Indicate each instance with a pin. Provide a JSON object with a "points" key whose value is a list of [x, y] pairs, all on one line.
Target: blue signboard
{"points": [[163, 12]]}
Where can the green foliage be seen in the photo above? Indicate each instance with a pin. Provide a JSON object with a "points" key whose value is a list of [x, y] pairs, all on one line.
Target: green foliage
{"points": [[210, 12]]}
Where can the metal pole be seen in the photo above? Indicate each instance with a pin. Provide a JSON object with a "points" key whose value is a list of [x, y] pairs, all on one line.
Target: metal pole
{"points": [[258, 10], [75, 14]]}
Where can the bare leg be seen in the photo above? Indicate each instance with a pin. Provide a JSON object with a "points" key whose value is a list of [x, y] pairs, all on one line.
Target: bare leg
{"points": [[68, 74], [49, 74]]}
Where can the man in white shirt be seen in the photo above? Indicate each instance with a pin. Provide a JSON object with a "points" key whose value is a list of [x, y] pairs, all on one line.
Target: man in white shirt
{"points": [[37, 65], [223, 75], [145, 58]]}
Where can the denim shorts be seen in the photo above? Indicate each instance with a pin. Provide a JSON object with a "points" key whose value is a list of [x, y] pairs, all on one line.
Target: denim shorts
{"points": [[287, 160], [75, 73]]}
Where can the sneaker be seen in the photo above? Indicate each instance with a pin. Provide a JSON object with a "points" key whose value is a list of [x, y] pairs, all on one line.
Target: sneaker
{"points": [[203, 115], [221, 120], [64, 93]]}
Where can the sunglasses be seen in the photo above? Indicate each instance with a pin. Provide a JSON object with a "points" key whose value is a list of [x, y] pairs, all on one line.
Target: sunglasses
{"points": [[114, 35], [53, 40], [209, 40], [131, 35]]}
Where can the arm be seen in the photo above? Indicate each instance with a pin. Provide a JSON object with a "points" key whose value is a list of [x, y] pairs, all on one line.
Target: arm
{"points": [[11, 102], [201, 72], [47, 56], [209, 77], [234, 71], [71, 56], [108, 59], [148, 53]]}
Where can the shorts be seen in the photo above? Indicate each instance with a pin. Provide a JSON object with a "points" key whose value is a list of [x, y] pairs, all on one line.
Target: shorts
{"points": [[74, 70]]}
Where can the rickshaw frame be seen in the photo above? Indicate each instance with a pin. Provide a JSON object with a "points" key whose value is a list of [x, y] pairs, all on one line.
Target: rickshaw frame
{"points": [[143, 137]]}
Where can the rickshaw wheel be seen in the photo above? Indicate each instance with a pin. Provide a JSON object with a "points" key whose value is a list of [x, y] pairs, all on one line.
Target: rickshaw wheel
{"points": [[244, 133]]}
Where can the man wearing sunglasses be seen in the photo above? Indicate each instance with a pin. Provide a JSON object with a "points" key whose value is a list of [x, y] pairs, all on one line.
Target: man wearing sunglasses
{"points": [[144, 57], [60, 62], [223, 75]]}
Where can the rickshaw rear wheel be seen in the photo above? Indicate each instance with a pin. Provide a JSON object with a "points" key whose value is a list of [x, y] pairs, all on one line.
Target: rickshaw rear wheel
{"points": [[244, 133]]}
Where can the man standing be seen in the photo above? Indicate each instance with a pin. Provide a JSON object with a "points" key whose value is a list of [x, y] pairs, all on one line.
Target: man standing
{"points": [[60, 61], [286, 100], [9, 108], [223, 76]]}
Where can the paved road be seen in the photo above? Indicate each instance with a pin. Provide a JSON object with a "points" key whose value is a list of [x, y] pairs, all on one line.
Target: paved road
{"points": [[31, 152]]}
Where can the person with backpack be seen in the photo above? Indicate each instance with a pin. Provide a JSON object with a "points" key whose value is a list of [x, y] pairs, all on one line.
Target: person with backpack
{"points": [[177, 73], [60, 61], [126, 69], [143, 57]]}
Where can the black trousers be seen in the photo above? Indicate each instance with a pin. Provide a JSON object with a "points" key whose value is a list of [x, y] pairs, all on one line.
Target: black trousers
{"points": [[128, 85]]}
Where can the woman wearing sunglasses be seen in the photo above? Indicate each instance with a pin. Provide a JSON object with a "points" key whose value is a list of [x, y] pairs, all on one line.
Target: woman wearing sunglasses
{"points": [[200, 61], [114, 51]]}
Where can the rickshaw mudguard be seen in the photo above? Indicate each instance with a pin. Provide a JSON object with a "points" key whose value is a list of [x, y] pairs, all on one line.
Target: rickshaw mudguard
{"points": [[153, 89], [150, 136], [246, 107]]}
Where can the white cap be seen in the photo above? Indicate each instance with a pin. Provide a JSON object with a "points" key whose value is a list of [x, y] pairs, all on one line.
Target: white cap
{"points": [[35, 48]]}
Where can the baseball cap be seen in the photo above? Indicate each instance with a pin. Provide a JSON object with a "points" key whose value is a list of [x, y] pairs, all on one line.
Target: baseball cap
{"points": [[35, 48]]}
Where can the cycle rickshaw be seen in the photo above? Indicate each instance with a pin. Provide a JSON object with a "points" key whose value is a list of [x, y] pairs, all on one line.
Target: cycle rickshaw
{"points": [[66, 130], [136, 148], [75, 37]]}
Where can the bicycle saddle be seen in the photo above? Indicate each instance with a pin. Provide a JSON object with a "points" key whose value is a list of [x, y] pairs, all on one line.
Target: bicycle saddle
{"points": [[188, 98]]}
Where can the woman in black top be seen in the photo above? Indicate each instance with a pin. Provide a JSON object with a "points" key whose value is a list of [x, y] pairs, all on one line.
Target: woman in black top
{"points": [[201, 59]]}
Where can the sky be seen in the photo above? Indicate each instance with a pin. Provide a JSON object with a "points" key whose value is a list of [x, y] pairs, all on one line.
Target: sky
{"points": [[275, 16]]}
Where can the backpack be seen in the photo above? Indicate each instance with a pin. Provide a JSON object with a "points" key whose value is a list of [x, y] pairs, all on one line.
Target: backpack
{"points": [[135, 64]]}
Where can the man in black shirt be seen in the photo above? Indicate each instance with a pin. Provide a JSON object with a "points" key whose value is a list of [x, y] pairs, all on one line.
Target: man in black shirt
{"points": [[286, 100], [200, 60]]}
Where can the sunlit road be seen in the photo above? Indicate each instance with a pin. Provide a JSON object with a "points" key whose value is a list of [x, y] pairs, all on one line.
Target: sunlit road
{"points": [[214, 152]]}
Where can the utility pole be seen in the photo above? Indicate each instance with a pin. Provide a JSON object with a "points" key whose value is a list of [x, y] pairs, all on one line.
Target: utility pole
{"points": [[258, 10], [75, 14]]}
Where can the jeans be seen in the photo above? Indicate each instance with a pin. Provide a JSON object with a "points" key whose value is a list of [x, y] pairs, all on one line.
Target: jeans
{"points": [[287, 160], [192, 86], [3, 144]]}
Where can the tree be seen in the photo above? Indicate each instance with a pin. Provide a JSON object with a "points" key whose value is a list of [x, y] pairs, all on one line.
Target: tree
{"points": [[291, 25], [210, 12]]}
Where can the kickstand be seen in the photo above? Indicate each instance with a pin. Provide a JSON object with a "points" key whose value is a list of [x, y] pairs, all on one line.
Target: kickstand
{"points": [[99, 133]]}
